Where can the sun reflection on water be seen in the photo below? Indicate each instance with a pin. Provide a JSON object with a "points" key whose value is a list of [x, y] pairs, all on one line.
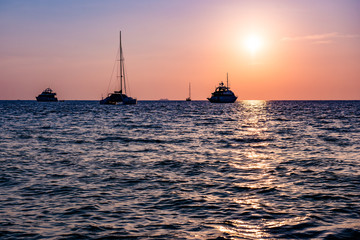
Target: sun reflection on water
{"points": [[254, 116], [254, 166], [239, 229]]}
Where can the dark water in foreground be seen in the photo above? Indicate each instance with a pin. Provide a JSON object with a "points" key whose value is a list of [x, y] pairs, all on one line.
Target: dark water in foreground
{"points": [[180, 170]]}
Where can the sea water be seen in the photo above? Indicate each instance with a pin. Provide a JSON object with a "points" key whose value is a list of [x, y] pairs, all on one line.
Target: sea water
{"points": [[180, 170]]}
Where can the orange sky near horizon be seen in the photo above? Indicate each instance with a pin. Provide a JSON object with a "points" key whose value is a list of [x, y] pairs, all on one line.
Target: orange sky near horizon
{"points": [[309, 50]]}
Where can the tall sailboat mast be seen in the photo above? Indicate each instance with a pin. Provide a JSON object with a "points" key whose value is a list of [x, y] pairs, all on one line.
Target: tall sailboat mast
{"points": [[189, 90], [121, 69]]}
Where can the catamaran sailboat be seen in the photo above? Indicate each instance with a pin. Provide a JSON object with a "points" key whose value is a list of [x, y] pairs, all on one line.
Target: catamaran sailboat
{"points": [[120, 96]]}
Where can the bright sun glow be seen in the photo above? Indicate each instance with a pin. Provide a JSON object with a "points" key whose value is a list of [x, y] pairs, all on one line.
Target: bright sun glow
{"points": [[253, 44]]}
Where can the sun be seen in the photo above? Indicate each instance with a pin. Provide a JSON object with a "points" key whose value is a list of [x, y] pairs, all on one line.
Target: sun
{"points": [[253, 44]]}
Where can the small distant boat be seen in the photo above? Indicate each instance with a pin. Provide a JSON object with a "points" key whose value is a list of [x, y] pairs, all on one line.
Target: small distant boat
{"points": [[223, 94], [189, 98], [47, 96], [120, 96]]}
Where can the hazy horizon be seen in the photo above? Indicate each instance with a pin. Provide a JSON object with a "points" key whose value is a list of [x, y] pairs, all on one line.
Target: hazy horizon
{"points": [[272, 50]]}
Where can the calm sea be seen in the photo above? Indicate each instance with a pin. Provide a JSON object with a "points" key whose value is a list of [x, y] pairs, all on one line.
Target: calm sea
{"points": [[180, 170]]}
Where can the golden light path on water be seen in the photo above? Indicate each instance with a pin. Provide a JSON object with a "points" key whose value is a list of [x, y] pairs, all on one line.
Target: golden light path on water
{"points": [[248, 162]]}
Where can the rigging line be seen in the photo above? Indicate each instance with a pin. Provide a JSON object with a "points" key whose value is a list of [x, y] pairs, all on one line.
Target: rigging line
{"points": [[122, 67], [112, 73], [128, 86], [123, 71]]}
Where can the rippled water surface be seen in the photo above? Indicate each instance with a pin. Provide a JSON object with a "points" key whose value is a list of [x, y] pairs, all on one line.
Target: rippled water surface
{"points": [[180, 170]]}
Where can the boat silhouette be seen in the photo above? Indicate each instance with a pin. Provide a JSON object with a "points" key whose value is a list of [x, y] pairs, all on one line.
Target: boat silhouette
{"points": [[223, 94], [47, 96], [189, 98], [119, 96]]}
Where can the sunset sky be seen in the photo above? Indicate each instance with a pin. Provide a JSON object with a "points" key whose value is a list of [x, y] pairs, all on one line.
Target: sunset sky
{"points": [[272, 49]]}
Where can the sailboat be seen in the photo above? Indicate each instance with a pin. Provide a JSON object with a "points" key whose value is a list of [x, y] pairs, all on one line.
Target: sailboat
{"points": [[189, 98], [119, 96]]}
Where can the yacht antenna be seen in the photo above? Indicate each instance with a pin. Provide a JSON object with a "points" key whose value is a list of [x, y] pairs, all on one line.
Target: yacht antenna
{"points": [[227, 80]]}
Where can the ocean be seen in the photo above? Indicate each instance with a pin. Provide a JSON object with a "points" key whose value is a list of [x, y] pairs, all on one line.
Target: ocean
{"points": [[180, 170]]}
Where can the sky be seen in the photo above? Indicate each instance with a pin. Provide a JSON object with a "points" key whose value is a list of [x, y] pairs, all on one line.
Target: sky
{"points": [[271, 49]]}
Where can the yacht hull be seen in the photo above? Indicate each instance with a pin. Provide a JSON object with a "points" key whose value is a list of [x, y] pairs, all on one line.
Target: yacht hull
{"points": [[46, 99], [113, 98], [129, 101], [222, 99]]}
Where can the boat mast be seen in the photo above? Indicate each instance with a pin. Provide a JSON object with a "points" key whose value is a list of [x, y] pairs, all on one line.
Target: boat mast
{"points": [[121, 69], [189, 90]]}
